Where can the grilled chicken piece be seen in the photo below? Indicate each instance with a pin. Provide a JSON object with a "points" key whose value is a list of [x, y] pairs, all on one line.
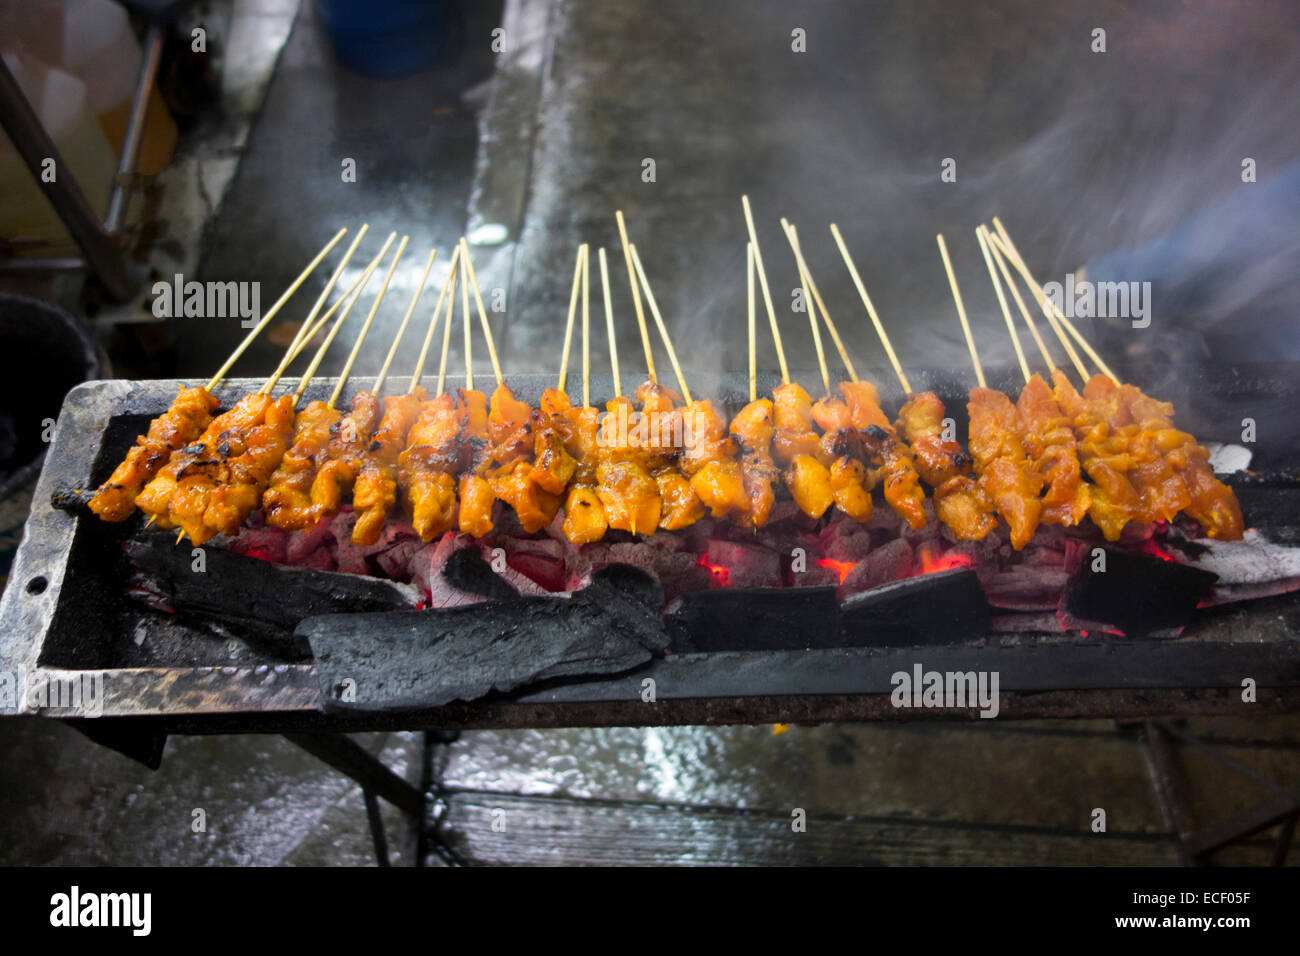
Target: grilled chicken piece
{"points": [[245, 476], [1007, 476], [709, 461], [288, 499], [434, 453], [753, 429], [375, 491], [1049, 441], [183, 422], [349, 439], [625, 487], [156, 496]]}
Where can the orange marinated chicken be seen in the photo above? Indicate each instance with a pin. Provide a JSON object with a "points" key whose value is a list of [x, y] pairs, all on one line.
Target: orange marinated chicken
{"points": [[1007, 476], [1103, 455], [625, 487], [845, 449], [425, 468], [709, 461], [1211, 503], [944, 465], [375, 491], [1049, 441], [195, 464], [288, 499], [349, 439], [182, 423], [792, 423], [753, 429], [664, 428], [509, 465], [244, 477], [902, 484], [576, 430]]}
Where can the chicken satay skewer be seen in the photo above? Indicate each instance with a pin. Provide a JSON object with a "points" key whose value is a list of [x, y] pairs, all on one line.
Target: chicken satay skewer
{"points": [[584, 514], [375, 491], [1002, 302], [902, 482], [401, 329], [961, 311], [182, 492], [184, 420], [288, 499], [708, 455]]}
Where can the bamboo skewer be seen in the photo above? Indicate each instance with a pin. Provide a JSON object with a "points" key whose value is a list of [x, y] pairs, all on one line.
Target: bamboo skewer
{"points": [[586, 309], [1044, 304], [300, 336], [767, 294], [636, 297], [1019, 262], [482, 312], [751, 317], [401, 329], [1002, 301], [370, 318], [1020, 303], [793, 235], [871, 309], [568, 324], [301, 340], [446, 331], [659, 321], [961, 311], [274, 310], [338, 323], [448, 284], [812, 320], [609, 322], [464, 312]]}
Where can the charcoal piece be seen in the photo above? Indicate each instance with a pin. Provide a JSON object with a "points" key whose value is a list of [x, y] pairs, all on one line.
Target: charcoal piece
{"points": [[1136, 594], [419, 659], [466, 570], [755, 619], [940, 608], [234, 587]]}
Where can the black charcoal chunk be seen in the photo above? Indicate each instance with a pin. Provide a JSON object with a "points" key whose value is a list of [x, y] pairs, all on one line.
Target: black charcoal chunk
{"points": [[1136, 594], [945, 607], [420, 659], [755, 619]]}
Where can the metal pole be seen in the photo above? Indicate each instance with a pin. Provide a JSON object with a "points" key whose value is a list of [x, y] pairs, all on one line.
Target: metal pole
{"points": [[104, 253], [153, 42]]}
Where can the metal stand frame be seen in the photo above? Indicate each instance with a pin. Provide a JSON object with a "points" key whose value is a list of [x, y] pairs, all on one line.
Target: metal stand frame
{"points": [[422, 806], [100, 243], [1198, 843]]}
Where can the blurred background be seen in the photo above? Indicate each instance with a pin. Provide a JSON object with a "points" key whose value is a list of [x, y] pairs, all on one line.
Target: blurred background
{"points": [[1138, 141]]}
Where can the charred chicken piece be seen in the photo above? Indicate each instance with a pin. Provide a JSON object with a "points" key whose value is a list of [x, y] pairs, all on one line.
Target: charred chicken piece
{"points": [[183, 422]]}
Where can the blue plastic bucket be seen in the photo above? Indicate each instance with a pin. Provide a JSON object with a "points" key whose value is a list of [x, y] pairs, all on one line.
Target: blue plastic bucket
{"points": [[385, 37]]}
